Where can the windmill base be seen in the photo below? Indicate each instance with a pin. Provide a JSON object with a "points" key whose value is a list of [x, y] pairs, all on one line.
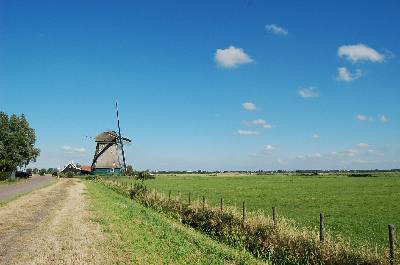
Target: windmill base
{"points": [[101, 171]]}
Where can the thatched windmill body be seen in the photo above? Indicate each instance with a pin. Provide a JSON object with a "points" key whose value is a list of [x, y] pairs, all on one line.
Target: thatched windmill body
{"points": [[109, 145], [106, 159]]}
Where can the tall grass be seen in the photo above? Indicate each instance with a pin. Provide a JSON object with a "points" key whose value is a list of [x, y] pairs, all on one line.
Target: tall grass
{"points": [[283, 243]]}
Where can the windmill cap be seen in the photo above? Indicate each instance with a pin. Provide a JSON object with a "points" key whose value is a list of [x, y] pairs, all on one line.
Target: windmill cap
{"points": [[109, 137]]}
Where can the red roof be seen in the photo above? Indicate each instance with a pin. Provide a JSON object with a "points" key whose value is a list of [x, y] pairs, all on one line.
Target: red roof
{"points": [[86, 168]]}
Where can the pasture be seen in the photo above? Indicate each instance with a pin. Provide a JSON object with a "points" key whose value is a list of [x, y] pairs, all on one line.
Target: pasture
{"points": [[358, 208]]}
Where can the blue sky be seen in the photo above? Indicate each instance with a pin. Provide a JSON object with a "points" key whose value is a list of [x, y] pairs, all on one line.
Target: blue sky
{"points": [[208, 84]]}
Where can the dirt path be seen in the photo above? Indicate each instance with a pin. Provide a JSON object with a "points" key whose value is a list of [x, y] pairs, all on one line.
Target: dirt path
{"points": [[51, 226], [9, 191]]}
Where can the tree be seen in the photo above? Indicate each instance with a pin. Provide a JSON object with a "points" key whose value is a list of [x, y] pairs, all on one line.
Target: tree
{"points": [[129, 170], [17, 140], [143, 175], [42, 172], [35, 170]]}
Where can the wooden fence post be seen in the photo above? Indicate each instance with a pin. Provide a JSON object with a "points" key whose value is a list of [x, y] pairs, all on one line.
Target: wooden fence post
{"points": [[243, 214], [222, 205], [179, 201], [204, 202], [169, 195], [392, 251], [321, 227], [189, 198], [274, 216]]}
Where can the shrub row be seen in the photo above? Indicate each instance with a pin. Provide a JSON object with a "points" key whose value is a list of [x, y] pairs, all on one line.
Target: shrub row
{"points": [[283, 243]]}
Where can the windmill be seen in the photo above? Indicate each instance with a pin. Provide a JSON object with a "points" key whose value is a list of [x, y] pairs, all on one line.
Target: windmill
{"points": [[106, 158]]}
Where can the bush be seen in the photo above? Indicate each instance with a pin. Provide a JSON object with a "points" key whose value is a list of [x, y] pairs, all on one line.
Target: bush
{"points": [[4, 175], [69, 174], [42, 172], [129, 171], [143, 175]]}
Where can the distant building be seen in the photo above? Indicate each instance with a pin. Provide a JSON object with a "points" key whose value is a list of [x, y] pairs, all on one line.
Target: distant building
{"points": [[86, 169], [76, 169], [71, 167]]}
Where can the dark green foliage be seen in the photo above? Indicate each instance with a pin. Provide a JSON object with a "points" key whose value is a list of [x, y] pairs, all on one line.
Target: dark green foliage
{"points": [[17, 140], [129, 171], [143, 175], [4, 175], [42, 172]]}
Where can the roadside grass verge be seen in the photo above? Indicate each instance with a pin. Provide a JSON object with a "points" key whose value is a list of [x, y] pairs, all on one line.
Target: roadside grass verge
{"points": [[11, 181], [143, 236]]}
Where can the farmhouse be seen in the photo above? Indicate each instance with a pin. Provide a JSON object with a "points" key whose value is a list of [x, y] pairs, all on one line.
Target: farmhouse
{"points": [[71, 167], [74, 168]]}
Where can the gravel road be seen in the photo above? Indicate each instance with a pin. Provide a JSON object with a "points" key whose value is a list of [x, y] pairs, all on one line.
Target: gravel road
{"points": [[51, 226]]}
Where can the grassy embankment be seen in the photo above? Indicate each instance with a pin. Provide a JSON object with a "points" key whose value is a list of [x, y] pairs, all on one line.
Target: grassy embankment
{"points": [[143, 236], [359, 208]]}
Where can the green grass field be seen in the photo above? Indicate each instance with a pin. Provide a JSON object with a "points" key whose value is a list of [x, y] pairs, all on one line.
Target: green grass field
{"points": [[143, 236], [358, 208]]}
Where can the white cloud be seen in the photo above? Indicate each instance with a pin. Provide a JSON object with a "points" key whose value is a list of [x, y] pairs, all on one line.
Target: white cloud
{"points": [[247, 132], [359, 52], [231, 57], [315, 136], [316, 155], [73, 150], [383, 118], [309, 92], [249, 106], [360, 161], [277, 30], [345, 75], [362, 117], [375, 152], [281, 161], [269, 148], [262, 123], [259, 122], [363, 145], [350, 152]]}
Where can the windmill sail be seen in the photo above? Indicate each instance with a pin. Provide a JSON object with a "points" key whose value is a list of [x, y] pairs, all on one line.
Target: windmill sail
{"points": [[120, 137]]}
